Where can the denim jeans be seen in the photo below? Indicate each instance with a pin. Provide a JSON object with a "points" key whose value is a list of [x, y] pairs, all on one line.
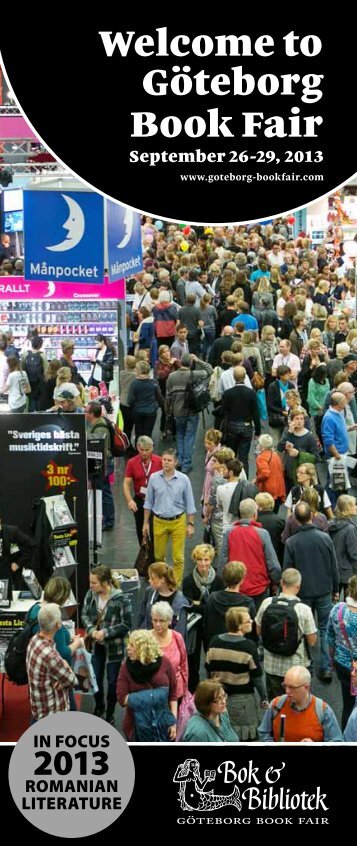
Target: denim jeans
{"points": [[321, 605], [208, 342], [186, 428], [113, 667]]}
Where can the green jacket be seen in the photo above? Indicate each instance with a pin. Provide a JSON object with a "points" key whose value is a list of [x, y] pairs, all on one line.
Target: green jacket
{"points": [[98, 426], [316, 396], [201, 730], [116, 623]]}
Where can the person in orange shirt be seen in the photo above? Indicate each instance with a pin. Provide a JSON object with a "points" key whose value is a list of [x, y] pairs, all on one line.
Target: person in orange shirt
{"points": [[308, 719], [270, 474]]}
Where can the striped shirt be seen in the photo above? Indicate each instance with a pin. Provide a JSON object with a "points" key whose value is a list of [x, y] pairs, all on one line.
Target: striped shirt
{"points": [[233, 660], [49, 678]]}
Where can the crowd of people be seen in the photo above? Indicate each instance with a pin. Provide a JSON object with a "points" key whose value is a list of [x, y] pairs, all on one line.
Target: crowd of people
{"points": [[259, 328], [29, 381]]}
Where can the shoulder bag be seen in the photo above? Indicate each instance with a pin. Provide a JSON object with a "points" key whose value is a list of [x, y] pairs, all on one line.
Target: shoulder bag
{"points": [[353, 675]]}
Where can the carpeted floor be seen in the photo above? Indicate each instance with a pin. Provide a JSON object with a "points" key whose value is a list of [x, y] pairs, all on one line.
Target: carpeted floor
{"points": [[15, 716]]}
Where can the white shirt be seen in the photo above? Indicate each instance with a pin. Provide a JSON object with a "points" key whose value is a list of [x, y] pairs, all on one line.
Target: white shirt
{"points": [[289, 360], [98, 372], [289, 502], [224, 496], [17, 380], [227, 381], [275, 259]]}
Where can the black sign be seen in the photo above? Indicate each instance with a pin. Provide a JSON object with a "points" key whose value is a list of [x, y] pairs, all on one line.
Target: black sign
{"points": [[44, 455], [225, 786], [216, 119]]}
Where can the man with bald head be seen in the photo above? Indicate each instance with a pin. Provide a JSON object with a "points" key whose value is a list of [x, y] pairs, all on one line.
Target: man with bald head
{"points": [[240, 410], [334, 429], [335, 434], [308, 719], [220, 345]]}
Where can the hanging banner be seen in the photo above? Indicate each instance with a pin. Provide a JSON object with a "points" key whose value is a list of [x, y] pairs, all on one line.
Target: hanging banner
{"points": [[125, 252], [64, 236], [20, 288], [44, 455]]}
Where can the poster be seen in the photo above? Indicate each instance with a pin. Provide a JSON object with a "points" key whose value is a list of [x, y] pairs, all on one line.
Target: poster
{"points": [[45, 455], [217, 125]]}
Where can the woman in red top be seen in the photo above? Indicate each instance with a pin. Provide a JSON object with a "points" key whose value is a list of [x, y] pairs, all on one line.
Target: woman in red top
{"points": [[270, 474], [145, 668]]}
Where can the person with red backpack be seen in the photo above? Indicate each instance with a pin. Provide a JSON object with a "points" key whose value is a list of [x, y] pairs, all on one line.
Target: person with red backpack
{"points": [[247, 541]]}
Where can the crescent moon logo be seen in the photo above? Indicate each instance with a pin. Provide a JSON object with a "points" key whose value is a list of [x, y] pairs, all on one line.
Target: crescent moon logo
{"points": [[128, 223], [75, 224], [50, 290]]}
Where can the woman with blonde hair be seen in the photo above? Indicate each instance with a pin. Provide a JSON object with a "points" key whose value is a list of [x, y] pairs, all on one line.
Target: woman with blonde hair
{"points": [[208, 316], [213, 439], [283, 299], [251, 350], [269, 348], [307, 477], [275, 278], [48, 384], [163, 367], [64, 381], [147, 688], [328, 335], [343, 531], [197, 586], [262, 289], [319, 315], [66, 360]]}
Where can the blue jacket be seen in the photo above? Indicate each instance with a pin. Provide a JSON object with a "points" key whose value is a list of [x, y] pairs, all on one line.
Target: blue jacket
{"points": [[151, 714], [334, 432]]}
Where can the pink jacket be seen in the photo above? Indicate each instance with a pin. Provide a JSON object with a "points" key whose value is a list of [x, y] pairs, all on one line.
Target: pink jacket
{"points": [[209, 473], [177, 655]]}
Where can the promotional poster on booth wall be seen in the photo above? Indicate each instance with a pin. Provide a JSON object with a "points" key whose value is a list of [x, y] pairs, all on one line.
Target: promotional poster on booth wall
{"points": [[219, 149]]}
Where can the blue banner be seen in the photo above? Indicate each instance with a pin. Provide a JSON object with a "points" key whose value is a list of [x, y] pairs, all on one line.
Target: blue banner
{"points": [[64, 236], [125, 254]]}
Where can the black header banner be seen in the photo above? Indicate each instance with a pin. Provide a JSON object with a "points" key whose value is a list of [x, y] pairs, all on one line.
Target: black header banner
{"points": [[227, 119], [190, 787]]}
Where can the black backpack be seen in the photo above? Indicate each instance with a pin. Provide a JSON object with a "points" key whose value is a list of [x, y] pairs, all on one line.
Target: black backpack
{"points": [[197, 395], [280, 627], [34, 367], [15, 656]]}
